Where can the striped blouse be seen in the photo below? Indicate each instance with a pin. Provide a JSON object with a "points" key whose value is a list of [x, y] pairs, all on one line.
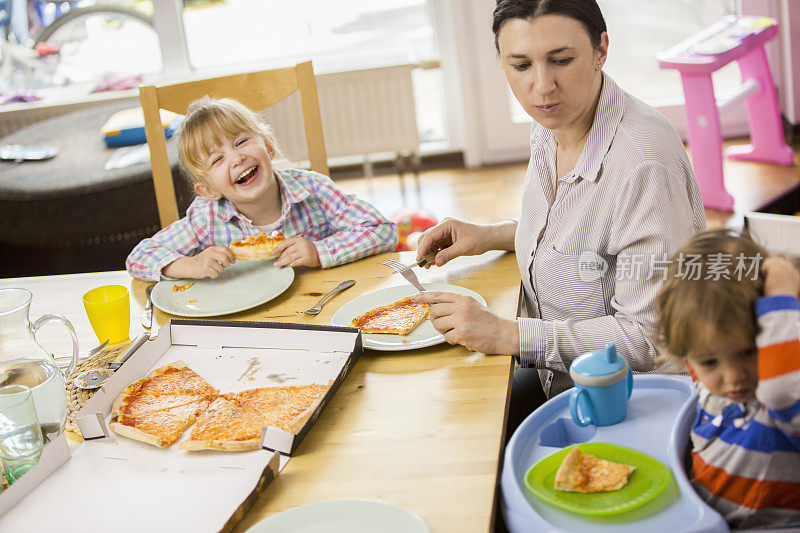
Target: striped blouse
{"points": [[746, 456], [592, 245]]}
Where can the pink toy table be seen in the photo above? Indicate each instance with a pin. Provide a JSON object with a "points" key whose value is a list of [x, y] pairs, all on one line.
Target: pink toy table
{"points": [[733, 38]]}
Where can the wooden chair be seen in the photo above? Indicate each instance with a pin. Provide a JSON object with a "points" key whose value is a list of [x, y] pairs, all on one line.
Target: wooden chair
{"points": [[256, 90]]}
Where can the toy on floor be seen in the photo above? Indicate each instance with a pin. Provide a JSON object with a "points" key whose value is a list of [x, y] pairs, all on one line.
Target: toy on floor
{"points": [[411, 222]]}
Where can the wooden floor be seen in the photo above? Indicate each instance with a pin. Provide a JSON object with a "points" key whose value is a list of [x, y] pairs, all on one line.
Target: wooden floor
{"points": [[490, 194]]}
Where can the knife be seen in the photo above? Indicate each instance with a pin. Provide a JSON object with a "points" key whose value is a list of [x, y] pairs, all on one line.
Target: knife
{"points": [[147, 314], [132, 347]]}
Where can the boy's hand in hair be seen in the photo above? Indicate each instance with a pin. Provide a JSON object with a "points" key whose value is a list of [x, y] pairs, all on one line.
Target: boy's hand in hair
{"points": [[780, 277], [296, 251], [207, 264]]}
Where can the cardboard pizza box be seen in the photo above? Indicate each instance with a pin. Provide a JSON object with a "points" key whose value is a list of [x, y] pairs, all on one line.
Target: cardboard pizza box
{"points": [[54, 454], [175, 490], [779, 234]]}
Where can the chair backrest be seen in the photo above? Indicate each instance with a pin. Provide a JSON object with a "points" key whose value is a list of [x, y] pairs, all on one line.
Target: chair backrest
{"points": [[256, 90]]}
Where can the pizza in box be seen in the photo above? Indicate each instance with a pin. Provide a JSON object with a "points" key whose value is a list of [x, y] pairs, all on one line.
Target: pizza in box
{"points": [[161, 406]]}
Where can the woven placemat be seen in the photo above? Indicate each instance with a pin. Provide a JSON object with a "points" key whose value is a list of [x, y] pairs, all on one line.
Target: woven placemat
{"points": [[76, 397]]}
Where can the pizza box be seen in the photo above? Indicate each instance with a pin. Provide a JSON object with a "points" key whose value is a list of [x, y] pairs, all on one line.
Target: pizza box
{"points": [[779, 234], [54, 454], [174, 490]]}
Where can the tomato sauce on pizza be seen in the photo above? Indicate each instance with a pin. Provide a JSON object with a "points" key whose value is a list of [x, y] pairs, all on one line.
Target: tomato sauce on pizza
{"points": [[400, 317]]}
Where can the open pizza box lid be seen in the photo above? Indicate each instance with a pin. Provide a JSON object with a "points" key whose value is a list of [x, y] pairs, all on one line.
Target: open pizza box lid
{"points": [[167, 489], [779, 234]]}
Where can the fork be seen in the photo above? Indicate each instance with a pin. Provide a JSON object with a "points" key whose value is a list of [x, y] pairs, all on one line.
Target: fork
{"points": [[340, 287], [406, 272]]}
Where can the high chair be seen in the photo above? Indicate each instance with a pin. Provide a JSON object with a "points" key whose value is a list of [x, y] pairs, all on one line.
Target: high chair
{"points": [[739, 39], [256, 90]]}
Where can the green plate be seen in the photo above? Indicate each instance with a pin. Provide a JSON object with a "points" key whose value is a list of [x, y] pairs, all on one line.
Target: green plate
{"points": [[648, 481]]}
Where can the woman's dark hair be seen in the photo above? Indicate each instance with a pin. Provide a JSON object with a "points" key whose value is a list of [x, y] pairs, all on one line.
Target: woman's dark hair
{"points": [[587, 12]]}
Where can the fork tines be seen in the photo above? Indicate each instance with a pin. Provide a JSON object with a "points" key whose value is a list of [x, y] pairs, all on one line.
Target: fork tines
{"points": [[396, 265]]}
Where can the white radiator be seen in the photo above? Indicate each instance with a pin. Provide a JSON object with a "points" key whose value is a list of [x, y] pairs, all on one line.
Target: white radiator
{"points": [[363, 112]]}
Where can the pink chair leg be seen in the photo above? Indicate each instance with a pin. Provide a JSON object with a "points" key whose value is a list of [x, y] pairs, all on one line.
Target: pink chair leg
{"points": [[705, 139], [766, 132]]}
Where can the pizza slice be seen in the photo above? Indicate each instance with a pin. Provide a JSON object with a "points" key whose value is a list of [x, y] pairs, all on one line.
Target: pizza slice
{"points": [[256, 247], [160, 427], [176, 378], [286, 408], [159, 407], [226, 426], [581, 472], [400, 317]]}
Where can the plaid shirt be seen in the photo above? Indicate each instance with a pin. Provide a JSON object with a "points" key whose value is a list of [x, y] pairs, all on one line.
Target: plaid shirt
{"points": [[342, 227]]}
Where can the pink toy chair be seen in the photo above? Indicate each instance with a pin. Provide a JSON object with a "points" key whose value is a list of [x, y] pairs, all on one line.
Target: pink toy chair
{"points": [[734, 38]]}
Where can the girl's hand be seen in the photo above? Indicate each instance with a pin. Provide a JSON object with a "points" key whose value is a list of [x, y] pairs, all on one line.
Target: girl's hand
{"points": [[207, 264], [780, 277], [296, 251], [462, 320]]}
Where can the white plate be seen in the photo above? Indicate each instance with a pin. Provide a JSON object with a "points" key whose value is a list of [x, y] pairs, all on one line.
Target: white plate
{"points": [[422, 336], [243, 285], [343, 516]]}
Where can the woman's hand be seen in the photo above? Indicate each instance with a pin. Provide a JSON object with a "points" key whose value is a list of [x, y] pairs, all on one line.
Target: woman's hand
{"points": [[207, 264], [462, 320], [452, 238], [296, 251], [780, 277]]}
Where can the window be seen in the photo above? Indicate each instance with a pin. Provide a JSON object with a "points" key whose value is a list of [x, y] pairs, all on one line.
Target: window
{"points": [[71, 47]]}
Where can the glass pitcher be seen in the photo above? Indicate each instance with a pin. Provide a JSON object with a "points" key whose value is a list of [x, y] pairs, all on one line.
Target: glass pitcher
{"points": [[24, 362]]}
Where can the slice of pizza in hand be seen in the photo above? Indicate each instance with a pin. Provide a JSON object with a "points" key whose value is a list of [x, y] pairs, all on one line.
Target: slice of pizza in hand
{"points": [[256, 247], [399, 318], [581, 472]]}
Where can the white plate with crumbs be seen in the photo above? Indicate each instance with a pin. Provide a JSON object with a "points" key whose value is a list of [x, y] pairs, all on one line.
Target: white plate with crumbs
{"points": [[422, 336], [243, 285], [343, 516]]}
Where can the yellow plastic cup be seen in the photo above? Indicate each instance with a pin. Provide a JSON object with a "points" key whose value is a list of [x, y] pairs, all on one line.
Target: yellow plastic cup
{"points": [[109, 312]]}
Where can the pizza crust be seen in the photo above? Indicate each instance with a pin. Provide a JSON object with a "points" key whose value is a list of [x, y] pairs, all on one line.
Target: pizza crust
{"points": [[220, 445], [136, 434]]}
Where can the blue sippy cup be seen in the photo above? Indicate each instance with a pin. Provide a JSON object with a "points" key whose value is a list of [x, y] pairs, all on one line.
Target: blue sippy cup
{"points": [[603, 384]]}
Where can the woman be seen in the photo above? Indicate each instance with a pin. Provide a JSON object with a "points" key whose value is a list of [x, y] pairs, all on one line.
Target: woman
{"points": [[609, 193]]}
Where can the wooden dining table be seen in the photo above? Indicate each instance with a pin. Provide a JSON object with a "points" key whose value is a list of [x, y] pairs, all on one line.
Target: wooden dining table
{"points": [[419, 429]]}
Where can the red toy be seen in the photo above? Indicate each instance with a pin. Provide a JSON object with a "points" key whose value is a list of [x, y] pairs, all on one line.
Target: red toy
{"points": [[411, 220]]}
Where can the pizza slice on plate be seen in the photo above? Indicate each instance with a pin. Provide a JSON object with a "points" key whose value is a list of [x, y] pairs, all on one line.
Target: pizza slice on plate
{"points": [[581, 472], [256, 247], [400, 317], [159, 407]]}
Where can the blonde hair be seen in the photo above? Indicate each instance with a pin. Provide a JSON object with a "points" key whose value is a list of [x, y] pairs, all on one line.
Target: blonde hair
{"points": [[208, 122], [717, 301]]}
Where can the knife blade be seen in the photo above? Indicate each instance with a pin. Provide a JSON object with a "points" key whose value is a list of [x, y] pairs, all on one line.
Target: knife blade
{"points": [[147, 314], [132, 347]]}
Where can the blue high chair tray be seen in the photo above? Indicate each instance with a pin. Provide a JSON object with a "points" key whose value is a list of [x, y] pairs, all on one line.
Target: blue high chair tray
{"points": [[660, 414]]}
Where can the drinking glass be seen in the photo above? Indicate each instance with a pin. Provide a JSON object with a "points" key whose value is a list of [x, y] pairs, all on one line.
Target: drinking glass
{"points": [[109, 312], [20, 435]]}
